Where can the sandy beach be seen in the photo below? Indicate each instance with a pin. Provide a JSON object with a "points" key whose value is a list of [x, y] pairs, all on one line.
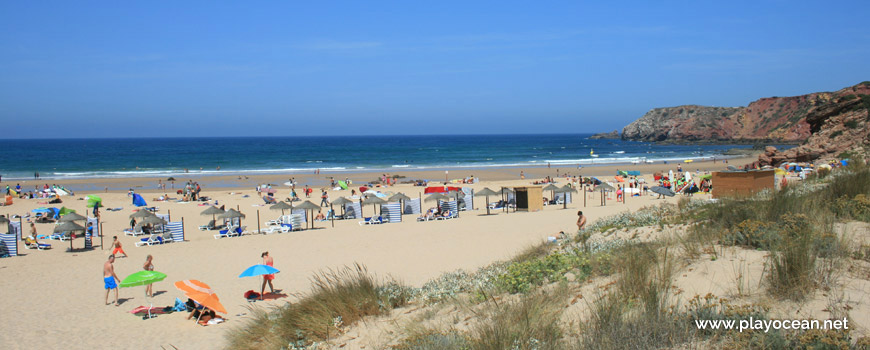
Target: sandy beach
{"points": [[54, 299]]}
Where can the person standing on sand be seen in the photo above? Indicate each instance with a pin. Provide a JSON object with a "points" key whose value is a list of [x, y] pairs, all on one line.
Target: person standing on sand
{"points": [[149, 266], [116, 244], [267, 260], [324, 199], [581, 220], [522, 175], [109, 278]]}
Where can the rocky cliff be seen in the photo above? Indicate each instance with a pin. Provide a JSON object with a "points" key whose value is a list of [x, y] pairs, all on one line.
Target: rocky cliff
{"points": [[606, 135], [825, 123]]}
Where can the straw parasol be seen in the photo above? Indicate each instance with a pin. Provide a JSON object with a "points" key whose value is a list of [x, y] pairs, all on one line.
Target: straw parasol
{"points": [[212, 210], [153, 220], [552, 188], [282, 205], [3, 220], [72, 217], [232, 214], [486, 192], [307, 205], [374, 200], [398, 197], [69, 227], [565, 189], [437, 197], [341, 201], [142, 213]]}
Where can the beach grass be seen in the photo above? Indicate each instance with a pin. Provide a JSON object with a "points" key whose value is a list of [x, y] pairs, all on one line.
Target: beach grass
{"points": [[339, 298]]}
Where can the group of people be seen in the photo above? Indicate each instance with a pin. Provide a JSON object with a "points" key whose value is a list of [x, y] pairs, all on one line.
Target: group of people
{"points": [[203, 314]]}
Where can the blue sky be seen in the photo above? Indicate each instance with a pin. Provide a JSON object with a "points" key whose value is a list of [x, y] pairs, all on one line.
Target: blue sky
{"points": [[159, 68]]}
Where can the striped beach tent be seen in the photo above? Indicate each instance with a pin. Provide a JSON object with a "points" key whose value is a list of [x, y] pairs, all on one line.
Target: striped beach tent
{"points": [[392, 212], [566, 195], [299, 216], [11, 242], [353, 210], [176, 229], [449, 205], [15, 228], [468, 198], [412, 206]]}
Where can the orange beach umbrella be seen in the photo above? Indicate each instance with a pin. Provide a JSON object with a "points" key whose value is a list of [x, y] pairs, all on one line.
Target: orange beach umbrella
{"points": [[193, 286], [210, 301]]}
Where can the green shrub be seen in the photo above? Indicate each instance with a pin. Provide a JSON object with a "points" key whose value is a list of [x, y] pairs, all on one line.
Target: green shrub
{"points": [[835, 134], [522, 276], [851, 124]]}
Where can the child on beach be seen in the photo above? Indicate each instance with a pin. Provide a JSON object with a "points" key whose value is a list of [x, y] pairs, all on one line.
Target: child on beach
{"points": [[117, 245]]}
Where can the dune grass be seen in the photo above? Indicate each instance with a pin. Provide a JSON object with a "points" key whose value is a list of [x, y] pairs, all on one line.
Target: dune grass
{"points": [[338, 298]]}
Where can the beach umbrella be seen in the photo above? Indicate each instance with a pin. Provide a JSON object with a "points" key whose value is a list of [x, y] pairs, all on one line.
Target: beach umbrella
{"points": [[398, 197], [486, 192], [64, 211], [565, 189], [193, 286], [94, 201], [232, 214], [142, 213], [153, 220], [307, 205], [68, 227], [268, 190], [258, 270], [212, 210], [662, 190], [143, 278], [603, 187], [552, 188], [373, 200], [170, 179], [72, 217], [282, 205], [341, 201]]}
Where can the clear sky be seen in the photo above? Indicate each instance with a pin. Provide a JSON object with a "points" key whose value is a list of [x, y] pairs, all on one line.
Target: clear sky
{"points": [[174, 68]]}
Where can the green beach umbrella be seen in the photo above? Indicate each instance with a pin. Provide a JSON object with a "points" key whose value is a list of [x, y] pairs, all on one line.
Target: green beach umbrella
{"points": [[143, 278], [64, 211], [94, 201]]}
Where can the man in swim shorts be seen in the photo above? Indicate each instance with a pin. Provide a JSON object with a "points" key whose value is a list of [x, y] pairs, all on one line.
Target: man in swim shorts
{"points": [[109, 278], [117, 245]]}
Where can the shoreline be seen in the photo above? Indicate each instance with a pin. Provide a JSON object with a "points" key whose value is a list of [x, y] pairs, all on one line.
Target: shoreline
{"points": [[235, 180]]}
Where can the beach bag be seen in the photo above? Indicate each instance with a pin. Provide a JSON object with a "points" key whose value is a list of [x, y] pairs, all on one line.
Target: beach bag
{"points": [[252, 295]]}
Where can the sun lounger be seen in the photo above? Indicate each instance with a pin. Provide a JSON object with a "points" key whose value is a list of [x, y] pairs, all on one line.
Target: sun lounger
{"points": [[56, 236], [151, 240], [232, 231], [29, 244], [450, 215], [207, 227], [372, 221]]}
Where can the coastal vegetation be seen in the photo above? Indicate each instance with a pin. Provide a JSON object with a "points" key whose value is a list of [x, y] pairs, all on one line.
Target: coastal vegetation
{"points": [[599, 291]]}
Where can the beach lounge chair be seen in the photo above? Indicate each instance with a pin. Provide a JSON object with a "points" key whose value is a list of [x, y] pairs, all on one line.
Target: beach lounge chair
{"points": [[208, 227], [232, 231], [31, 244], [372, 221], [137, 230], [56, 236], [450, 215], [153, 239]]}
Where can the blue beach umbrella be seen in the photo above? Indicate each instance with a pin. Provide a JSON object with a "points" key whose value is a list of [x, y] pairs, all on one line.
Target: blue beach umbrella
{"points": [[258, 270]]}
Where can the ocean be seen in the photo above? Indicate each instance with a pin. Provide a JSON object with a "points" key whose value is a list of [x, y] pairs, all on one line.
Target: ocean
{"points": [[146, 157]]}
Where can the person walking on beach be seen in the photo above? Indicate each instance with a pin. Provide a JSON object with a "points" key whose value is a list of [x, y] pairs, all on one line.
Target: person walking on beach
{"points": [[581, 220], [116, 244], [324, 199], [109, 278], [149, 266], [522, 175], [267, 260]]}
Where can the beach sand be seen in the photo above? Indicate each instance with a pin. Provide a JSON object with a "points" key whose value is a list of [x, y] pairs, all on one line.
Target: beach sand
{"points": [[55, 299]]}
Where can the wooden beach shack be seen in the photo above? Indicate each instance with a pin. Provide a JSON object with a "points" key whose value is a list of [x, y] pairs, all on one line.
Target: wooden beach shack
{"points": [[741, 183], [529, 198]]}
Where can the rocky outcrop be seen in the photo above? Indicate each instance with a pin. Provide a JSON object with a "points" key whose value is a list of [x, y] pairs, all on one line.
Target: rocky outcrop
{"points": [[825, 123], [605, 135]]}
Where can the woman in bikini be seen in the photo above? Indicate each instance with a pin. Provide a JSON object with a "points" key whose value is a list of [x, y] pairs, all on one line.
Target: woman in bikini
{"points": [[149, 266]]}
